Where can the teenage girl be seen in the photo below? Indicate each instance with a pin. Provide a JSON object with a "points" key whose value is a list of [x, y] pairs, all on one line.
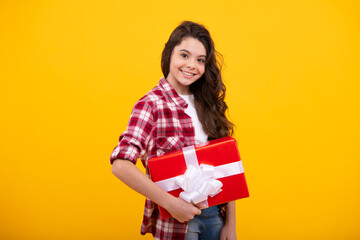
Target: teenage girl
{"points": [[187, 107]]}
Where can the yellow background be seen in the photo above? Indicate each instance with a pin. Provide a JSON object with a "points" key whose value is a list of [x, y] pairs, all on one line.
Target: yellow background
{"points": [[72, 70]]}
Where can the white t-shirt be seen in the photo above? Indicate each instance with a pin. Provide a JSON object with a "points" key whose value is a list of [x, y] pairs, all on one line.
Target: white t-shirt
{"points": [[200, 135]]}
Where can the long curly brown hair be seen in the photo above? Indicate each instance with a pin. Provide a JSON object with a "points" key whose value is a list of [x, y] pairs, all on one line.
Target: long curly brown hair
{"points": [[209, 90]]}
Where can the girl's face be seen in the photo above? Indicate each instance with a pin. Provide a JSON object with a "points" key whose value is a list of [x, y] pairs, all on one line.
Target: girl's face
{"points": [[187, 64]]}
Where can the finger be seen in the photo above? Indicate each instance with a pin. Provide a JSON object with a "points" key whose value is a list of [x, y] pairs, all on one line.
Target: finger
{"points": [[202, 205], [198, 212]]}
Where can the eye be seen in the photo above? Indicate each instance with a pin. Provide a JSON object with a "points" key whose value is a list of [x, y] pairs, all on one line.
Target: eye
{"points": [[201, 60], [184, 55]]}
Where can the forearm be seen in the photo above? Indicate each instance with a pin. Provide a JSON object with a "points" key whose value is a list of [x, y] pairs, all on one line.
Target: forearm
{"points": [[128, 173], [228, 232], [230, 214]]}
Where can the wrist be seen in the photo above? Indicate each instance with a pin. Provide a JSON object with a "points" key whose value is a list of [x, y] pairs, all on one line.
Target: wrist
{"points": [[230, 222], [168, 201]]}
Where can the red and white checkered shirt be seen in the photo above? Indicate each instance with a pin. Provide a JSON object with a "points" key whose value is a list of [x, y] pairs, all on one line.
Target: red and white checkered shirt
{"points": [[158, 124]]}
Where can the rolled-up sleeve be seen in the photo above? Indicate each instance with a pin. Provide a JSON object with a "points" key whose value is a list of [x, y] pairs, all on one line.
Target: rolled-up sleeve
{"points": [[132, 143]]}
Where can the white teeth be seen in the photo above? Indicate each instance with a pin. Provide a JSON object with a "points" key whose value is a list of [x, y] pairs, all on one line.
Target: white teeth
{"points": [[189, 74]]}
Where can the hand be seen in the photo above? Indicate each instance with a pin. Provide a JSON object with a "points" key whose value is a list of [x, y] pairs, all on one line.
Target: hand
{"points": [[228, 233], [182, 211], [202, 205]]}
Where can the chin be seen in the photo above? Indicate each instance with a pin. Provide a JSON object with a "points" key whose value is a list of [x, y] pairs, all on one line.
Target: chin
{"points": [[187, 83]]}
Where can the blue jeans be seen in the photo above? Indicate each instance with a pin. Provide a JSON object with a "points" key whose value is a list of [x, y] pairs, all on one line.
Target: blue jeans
{"points": [[206, 226]]}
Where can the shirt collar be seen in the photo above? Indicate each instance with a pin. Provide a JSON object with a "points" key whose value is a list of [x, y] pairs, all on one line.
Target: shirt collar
{"points": [[170, 91]]}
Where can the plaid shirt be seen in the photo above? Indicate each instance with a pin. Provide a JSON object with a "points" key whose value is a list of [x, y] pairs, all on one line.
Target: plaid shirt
{"points": [[158, 124]]}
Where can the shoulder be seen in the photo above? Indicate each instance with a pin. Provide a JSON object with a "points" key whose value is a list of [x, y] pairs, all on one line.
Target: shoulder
{"points": [[152, 98], [151, 102]]}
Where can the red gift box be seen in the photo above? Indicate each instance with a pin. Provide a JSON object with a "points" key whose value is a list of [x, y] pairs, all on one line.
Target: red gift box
{"points": [[221, 153]]}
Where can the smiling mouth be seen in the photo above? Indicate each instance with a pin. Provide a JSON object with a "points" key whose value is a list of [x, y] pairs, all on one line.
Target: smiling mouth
{"points": [[187, 73]]}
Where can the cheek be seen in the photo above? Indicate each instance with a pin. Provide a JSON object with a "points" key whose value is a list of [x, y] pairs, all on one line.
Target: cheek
{"points": [[202, 69], [175, 65]]}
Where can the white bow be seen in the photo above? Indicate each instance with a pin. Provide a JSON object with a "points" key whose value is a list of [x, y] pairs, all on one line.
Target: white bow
{"points": [[198, 183]]}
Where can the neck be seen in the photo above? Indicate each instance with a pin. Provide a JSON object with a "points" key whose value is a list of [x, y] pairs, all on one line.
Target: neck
{"points": [[180, 89]]}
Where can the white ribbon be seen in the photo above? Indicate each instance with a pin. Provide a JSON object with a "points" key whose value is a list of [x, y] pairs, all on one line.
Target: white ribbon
{"points": [[199, 182]]}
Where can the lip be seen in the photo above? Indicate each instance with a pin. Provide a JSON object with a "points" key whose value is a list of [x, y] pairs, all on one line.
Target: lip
{"points": [[185, 73]]}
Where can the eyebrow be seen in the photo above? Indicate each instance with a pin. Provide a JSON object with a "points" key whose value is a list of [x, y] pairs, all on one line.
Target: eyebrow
{"points": [[184, 50]]}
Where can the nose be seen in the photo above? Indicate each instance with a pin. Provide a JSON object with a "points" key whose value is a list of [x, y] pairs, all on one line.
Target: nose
{"points": [[190, 64]]}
